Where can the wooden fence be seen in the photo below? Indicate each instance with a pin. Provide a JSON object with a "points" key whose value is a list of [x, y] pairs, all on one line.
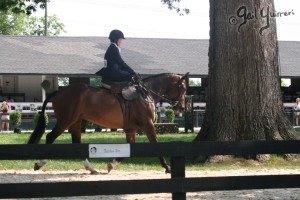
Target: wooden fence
{"points": [[178, 185]]}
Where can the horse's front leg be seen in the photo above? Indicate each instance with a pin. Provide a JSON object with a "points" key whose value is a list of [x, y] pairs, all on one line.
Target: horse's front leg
{"points": [[151, 134], [130, 137], [164, 164], [113, 164], [40, 164]]}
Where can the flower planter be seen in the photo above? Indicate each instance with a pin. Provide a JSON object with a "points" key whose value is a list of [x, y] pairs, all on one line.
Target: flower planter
{"points": [[162, 128]]}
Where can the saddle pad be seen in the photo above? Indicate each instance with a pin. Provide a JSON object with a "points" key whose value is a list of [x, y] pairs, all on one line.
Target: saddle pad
{"points": [[115, 87], [129, 92]]}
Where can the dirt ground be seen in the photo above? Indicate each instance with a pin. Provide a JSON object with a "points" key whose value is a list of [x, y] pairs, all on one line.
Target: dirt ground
{"points": [[21, 176]]}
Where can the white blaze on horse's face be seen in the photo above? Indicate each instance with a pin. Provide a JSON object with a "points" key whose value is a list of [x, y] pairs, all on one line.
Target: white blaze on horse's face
{"points": [[184, 88], [181, 103], [179, 93]]}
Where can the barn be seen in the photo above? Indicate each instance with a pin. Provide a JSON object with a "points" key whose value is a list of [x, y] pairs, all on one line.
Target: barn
{"points": [[27, 61]]}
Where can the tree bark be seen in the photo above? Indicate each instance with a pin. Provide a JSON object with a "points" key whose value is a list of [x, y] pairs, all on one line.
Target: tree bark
{"points": [[244, 98]]}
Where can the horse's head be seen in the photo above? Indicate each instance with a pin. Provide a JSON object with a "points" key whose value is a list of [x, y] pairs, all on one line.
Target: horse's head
{"points": [[170, 88], [176, 92]]}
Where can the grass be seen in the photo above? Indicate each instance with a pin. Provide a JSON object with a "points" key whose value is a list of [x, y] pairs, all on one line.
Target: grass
{"points": [[132, 164]]}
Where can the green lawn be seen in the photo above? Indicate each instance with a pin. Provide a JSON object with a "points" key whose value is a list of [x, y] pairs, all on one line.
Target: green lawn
{"points": [[131, 164]]}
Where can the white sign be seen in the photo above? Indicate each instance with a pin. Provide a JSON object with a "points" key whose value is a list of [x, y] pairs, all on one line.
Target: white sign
{"points": [[33, 107], [109, 150]]}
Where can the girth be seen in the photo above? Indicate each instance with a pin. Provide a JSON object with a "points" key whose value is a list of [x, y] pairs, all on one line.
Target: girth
{"points": [[125, 106]]}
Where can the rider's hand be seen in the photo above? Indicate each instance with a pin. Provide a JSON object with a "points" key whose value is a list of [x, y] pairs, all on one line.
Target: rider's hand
{"points": [[136, 78]]}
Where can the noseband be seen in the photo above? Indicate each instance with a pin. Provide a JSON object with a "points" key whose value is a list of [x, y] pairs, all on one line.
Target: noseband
{"points": [[180, 89]]}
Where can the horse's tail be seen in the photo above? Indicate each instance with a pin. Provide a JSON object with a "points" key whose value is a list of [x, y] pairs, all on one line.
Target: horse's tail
{"points": [[39, 130]]}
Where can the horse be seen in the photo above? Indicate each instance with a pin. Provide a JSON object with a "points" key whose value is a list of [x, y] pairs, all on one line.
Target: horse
{"points": [[77, 102]]}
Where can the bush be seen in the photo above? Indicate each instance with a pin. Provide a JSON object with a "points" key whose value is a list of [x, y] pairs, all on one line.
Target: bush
{"points": [[37, 115], [169, 115], [15, 118], [156, 117], [86, 124]]}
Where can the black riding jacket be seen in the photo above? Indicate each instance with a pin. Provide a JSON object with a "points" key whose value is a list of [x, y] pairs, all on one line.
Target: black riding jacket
{"points": [[117, 69]]}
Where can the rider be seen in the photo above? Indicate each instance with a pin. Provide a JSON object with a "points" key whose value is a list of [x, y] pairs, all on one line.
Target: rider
{"points": [[116, 69]]}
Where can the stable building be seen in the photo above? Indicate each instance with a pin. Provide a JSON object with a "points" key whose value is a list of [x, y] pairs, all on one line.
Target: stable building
{"points": [[27, 61]]}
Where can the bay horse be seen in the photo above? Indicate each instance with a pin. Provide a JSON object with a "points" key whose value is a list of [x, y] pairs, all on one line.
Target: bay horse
{"points": [[98, 105]]}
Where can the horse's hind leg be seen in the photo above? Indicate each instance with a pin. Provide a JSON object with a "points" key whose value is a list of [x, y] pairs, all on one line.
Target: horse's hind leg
{"points": [[49, 140], [40, 164], [150, 132], [75, 130], [130, 137]]}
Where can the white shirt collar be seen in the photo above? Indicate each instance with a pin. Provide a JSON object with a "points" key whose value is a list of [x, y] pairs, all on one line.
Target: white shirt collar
{"points": [[117, 47]]}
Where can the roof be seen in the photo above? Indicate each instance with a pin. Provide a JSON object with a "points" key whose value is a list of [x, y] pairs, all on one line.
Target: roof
{"points": [[83, 56], [289, 52]]}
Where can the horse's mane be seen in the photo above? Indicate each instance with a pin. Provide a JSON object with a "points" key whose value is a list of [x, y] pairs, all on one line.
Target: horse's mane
{"points": [[157, 75]]}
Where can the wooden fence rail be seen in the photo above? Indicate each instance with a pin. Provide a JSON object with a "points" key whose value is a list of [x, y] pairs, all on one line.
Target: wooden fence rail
{"points": [[178, 185], [170, 149]]}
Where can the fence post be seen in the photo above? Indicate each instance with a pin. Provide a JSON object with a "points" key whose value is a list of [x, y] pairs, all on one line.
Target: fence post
{"points": [[178, 171]]}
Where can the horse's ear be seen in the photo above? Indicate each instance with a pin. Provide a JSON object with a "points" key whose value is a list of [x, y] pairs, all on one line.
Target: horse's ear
{"points": [[185, 76]]}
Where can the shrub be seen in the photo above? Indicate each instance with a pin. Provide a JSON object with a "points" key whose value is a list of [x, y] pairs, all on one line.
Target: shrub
{"points": [[169, 115], [156, 117], [15, 118], [37, 115]]}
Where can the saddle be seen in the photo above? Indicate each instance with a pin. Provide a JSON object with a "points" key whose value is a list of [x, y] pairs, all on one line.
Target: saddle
{"points": [[125, 93], [127, 89]]}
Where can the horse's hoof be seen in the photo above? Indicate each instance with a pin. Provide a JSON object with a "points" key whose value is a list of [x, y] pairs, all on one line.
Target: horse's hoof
{"points": [[94, 172], [168, 170], [36, 167], [109, 167]]}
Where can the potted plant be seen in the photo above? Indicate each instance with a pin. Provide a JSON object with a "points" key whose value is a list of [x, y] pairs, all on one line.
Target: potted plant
{"points": [[169, 126], [98, 128], [85, 124], [15, 119], [37, 115], [169, 115]]}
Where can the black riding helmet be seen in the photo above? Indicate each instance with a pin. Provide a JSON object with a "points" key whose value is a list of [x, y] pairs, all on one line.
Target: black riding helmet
{"points": [[115, 35]]}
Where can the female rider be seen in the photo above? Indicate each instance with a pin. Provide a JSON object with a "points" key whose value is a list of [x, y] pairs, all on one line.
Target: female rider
{"points": [[116, 69]]}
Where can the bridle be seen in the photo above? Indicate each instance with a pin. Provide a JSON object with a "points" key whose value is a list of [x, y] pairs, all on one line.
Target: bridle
{"points": [[167, 99], [180, 92]]}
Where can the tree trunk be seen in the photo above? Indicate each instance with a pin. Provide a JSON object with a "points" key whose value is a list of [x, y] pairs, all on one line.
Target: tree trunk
{"points": [[244, 98]]}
